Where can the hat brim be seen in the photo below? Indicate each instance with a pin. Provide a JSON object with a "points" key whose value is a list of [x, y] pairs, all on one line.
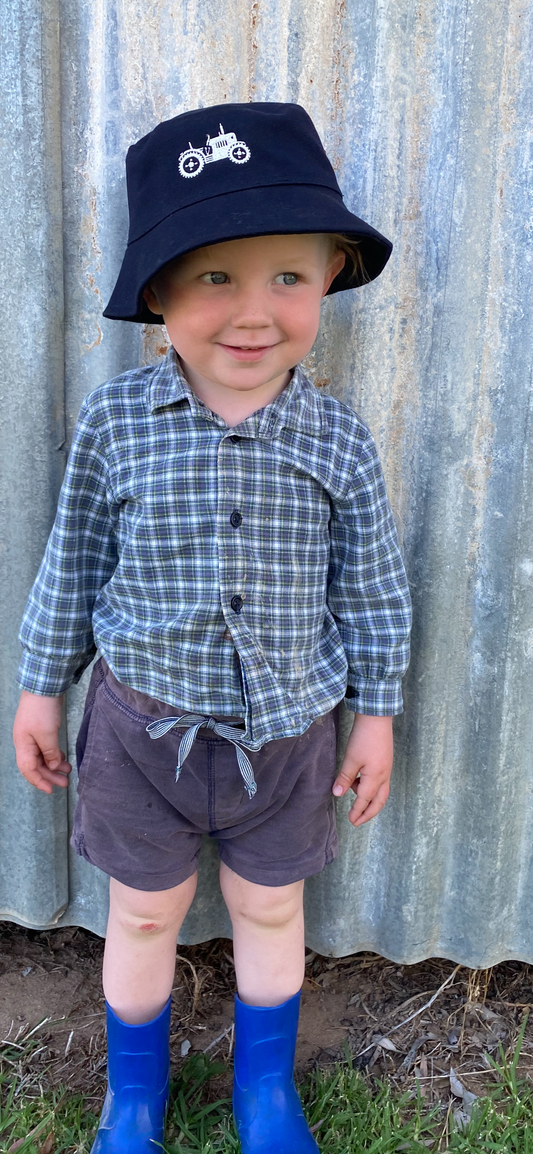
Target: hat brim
{"points": [[274, 210]]}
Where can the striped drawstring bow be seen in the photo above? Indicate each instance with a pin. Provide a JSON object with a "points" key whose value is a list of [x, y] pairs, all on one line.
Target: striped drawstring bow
{"points": [[195, 721]]}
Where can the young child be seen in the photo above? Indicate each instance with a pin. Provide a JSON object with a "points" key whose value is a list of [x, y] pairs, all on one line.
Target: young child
{"points": [[224, 538]]}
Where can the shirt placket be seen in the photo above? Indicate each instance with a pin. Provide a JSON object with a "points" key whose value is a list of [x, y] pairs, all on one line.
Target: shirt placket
{"points": [[231, 527]]}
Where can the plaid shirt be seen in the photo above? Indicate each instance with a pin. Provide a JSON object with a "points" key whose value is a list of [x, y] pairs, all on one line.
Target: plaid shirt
{"points": [[251, 571]]}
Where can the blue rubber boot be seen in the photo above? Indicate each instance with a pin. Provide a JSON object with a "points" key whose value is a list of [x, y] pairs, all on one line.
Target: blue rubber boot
{"points": [[267, 1108], [133, 1115]]}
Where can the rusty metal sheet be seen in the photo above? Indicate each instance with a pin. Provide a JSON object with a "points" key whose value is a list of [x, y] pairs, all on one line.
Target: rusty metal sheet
{"points": [[425, 111]]}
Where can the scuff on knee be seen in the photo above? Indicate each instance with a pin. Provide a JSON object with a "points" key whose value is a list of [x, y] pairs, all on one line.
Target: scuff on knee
{"points": [[149, 927]]}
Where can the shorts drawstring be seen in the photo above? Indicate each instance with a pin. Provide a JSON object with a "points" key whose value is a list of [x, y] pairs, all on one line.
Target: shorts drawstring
{"points": [[195, 721]]}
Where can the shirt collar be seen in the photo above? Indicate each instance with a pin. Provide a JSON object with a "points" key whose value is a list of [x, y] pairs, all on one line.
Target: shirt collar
{"points": [[299, 406], [167, 384]]}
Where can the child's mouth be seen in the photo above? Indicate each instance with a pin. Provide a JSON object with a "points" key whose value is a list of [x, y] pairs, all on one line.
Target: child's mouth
{"points": [[246, 353]]}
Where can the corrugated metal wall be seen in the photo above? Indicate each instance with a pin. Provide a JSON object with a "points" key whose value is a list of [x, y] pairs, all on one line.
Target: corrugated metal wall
{"points": [[426, 112]]}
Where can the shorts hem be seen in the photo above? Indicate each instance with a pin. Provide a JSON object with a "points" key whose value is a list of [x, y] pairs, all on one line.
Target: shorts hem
{"points": [[275, 878], [148, 883]]}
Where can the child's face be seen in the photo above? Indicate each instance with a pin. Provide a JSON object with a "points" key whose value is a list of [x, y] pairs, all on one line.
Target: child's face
{"points": [[243, 312]]}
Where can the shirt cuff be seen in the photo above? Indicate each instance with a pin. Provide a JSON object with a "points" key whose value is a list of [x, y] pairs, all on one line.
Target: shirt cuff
{"points": [[49, 677], [376, 698]]}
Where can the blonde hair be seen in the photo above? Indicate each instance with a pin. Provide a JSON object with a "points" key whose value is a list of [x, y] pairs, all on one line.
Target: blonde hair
{"points": [[354, 259]]}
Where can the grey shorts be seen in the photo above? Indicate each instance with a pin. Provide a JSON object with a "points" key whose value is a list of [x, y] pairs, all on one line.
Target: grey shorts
{"points": [[139, 825]]}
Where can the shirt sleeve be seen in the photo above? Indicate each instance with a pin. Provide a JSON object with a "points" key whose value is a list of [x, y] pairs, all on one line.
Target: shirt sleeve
{"points": [[56, 631], [368, 592]]}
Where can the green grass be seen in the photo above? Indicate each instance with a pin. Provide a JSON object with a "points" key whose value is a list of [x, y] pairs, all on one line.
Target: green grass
{"points": [[33, 1119], [351, 1116]]}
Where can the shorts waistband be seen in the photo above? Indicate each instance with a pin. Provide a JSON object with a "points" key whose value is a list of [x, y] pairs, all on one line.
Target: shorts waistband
{"points": [[182, 719], [152, 706]]}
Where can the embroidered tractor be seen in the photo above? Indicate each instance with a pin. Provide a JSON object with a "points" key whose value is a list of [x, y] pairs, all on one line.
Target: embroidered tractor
{"points": [[222, 147]]}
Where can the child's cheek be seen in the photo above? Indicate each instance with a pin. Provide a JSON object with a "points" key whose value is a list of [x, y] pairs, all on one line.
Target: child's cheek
{"points": [[191, 327], [206, 318], [304, 318]]}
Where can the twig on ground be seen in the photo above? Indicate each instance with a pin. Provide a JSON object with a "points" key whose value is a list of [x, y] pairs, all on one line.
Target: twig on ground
{"points": [[410, 1057], [426, 1006], [397, 1009], [196, 995], [221, 1036]]}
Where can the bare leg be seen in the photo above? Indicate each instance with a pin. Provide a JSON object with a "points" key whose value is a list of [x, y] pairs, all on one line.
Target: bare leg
{"points": [[268, 938], [140, 948]]}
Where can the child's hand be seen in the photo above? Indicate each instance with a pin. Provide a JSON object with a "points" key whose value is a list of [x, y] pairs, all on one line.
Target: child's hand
{"points": [[367, 766], [35, 734]]}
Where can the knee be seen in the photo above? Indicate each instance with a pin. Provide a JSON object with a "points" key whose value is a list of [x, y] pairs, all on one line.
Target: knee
{"points": [[147, 923], [146, 915], [273, 909], [263, 906]]}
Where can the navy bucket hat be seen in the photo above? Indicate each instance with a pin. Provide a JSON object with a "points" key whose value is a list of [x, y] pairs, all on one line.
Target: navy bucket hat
{"points": [[227, 172]]}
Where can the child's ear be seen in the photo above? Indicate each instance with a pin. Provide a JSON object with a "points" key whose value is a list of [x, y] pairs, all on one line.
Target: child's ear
{"points": [[333, 270], [152, 300]]}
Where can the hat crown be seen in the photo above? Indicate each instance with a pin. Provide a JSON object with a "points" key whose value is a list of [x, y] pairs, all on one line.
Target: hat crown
{"points": [[214, 151]]}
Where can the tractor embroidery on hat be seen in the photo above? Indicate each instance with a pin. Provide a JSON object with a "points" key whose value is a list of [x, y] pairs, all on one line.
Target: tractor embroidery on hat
{"points": [[222, 147]]}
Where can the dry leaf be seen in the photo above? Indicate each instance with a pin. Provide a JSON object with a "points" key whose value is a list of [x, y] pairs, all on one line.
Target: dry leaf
{"points": [[410, 1057], [48, 1144], [422, 1088], [36, 1130], [486, 1014], [460, 1118], [386, 1044], [407, 1145], [456, 1086], [459, 1090], [468, 1100]]}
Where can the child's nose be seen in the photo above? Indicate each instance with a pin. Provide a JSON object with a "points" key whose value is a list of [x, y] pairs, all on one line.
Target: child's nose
{"points": [[251, 310]]}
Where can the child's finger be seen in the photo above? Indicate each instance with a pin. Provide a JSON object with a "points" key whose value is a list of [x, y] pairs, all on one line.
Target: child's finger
{"points": [[44, 779], [57, 776], [33, 767], [365, 809], [63, 766], [344, 781], [52, 755], [28, 755], [35, 777]]}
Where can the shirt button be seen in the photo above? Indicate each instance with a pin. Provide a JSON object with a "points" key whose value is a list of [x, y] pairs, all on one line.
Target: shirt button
{"points": [[236, 518], [234, 438], [236, 603]]}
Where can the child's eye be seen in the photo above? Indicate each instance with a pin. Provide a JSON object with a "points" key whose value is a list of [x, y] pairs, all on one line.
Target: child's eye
{"points": [[287, 278], [215, 277]]}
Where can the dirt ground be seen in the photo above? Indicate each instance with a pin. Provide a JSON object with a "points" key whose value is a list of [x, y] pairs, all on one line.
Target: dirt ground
{"points": [[421, 1022]]}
